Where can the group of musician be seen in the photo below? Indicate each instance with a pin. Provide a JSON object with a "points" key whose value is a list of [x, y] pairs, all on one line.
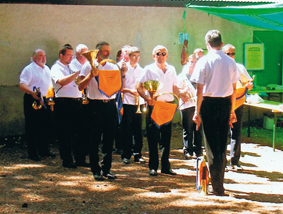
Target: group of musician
{"points": [[205, 89]]}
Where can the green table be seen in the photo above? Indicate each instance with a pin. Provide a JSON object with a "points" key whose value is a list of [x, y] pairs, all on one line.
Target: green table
{"points": [[268, 91], [275, 109]]}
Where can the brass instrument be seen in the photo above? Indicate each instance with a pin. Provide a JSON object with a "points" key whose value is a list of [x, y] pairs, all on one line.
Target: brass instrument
{"points": [[90, 56], [137, 101], [152, 86], [49, 97], [38, 103], [85, 100]]}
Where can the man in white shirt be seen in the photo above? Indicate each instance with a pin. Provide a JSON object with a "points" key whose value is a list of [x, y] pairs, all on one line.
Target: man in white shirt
{"points": [[131, 121], [235, 141], [216, 76], [37, 122], [67, 105], [102, 112], [192, 139], [78, 62], [81, 150], [166, 74]]}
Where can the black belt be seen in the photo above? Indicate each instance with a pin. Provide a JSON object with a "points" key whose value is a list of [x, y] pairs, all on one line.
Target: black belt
{"points": [[68, 99], [208, 98], [102, 101]]}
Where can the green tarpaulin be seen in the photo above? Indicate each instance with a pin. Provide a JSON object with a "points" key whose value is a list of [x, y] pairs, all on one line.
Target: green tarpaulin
{"points": [[268, 16]]}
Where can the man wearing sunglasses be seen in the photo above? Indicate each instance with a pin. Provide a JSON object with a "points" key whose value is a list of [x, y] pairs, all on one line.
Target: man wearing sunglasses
{"points": [[216, 76], [235, 141], [166, 74]]}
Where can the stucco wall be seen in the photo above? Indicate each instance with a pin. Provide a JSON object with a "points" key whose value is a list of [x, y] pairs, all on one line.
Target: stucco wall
{"points": [[25, 27]]}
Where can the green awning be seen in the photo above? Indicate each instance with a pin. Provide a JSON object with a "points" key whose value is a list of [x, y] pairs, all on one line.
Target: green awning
{"points": [[268, 16]]}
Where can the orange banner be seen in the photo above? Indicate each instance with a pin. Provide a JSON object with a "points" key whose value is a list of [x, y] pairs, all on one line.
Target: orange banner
{"points": [[163, 112], [109, 81], [240, 96]]}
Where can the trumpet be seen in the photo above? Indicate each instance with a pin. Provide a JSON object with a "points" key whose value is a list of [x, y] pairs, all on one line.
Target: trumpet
{"points": [[137, 100], [84, 100]]}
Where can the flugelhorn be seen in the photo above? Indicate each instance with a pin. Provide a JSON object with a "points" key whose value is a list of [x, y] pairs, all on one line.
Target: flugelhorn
{"points": [[152, 86], [91, 56]]}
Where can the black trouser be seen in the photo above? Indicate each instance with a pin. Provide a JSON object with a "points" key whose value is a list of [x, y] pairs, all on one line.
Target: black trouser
{"points": [[236, 136], [69, 127], [37, 127], [157, 135], [131, 126], [103, 121], [192, 139], [215, 113]]}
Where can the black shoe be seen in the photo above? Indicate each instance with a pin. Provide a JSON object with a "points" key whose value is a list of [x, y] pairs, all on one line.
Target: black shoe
{"points": [[139, 159], [34, 158], [70, 165], [48, 155], [152, 172], [109, 175], [126, 161], [168, 172], [98, 177], [83, 164]]}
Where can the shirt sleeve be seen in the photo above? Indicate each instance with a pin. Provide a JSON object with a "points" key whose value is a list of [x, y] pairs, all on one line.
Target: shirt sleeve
{"points": [[25, 76], [85, 69], [198, 75]]}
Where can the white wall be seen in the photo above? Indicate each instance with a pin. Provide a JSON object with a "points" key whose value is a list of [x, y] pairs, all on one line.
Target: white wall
{"points": [[25, 27]]}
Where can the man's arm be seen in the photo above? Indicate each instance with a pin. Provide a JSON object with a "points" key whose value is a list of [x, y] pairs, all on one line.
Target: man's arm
{"points": [[68, 79], [180, 93], [141, 91], [84, 81], [197, 117], [233, 117], [26, 89]]}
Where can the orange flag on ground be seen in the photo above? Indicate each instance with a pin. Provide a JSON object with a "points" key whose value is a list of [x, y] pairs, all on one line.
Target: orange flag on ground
{"points": [[163, 112], [109, 82]]}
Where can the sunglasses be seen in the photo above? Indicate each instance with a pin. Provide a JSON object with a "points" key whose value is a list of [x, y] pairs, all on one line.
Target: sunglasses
{"points": [[159, 54], [230, 54]]}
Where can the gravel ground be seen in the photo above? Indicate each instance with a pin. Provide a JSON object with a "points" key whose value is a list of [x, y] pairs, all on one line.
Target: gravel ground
{"points": [[46, 187]]}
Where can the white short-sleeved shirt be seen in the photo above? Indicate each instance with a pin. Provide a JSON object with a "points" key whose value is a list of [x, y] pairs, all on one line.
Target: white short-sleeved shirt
{"points": [[92, 90], [167, 79], [132, 76], [75, 65], [185, 84], [59, 71], [216, 71], [35, 76], [243, 71]]}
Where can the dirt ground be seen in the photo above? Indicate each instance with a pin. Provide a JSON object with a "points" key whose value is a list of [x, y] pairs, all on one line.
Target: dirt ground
{"points": [[46, 187]]}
